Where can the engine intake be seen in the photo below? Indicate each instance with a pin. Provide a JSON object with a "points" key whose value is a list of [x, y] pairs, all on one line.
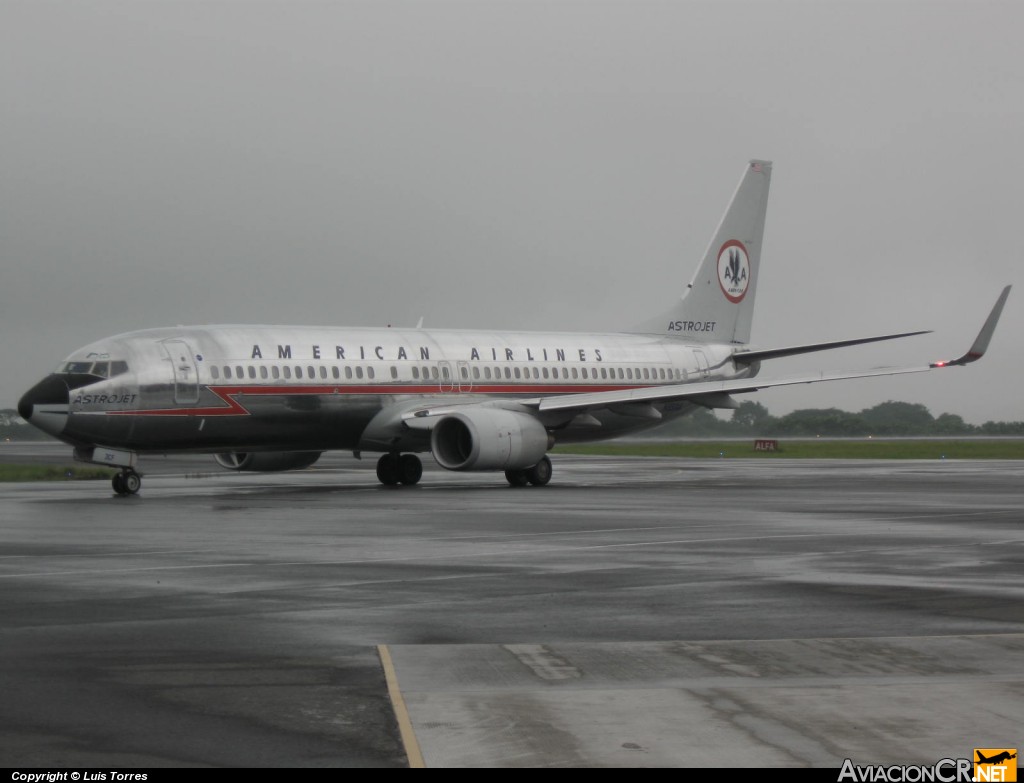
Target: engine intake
{"points": [[488, 439], [267, 460]]}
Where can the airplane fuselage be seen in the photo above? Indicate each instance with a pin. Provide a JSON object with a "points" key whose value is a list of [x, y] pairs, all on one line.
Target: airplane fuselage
{"points": [[253, 388]]}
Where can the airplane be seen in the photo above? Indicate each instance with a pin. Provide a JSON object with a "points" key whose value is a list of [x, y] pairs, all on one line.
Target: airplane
{"points": [[996, 759], [266, 398]]}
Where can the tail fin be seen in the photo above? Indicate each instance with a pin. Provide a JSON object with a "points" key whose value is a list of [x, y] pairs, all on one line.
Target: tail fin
{"points": [[718, 305]]}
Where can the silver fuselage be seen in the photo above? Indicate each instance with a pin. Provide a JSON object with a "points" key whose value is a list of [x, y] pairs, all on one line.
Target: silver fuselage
{"points": [[255, 388]]}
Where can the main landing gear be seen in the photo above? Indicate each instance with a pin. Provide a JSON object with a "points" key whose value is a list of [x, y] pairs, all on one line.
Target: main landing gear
{"points": [[399, 469], [127, 482], [538, 475], [407, 469]]}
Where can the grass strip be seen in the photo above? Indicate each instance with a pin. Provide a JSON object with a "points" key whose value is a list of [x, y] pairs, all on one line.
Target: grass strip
{"points": [[811, 449], [53, 473]]}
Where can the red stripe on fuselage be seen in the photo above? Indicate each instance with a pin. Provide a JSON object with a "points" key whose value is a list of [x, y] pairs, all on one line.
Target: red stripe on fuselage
{"points": [[233, 407]]}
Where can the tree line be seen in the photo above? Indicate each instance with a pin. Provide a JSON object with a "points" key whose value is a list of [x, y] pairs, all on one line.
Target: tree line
{"points": [[890, 418]]}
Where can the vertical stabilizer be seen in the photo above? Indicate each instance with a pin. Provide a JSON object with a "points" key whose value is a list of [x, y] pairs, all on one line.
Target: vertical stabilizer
{"points": [[718, 305]]}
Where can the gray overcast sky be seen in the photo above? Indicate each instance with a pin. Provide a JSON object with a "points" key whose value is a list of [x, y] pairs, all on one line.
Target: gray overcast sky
{"points": [[548, 165]]}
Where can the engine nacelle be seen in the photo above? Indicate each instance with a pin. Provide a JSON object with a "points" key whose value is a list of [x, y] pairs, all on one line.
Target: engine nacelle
{"points": [[267, 460], [488, 439]]}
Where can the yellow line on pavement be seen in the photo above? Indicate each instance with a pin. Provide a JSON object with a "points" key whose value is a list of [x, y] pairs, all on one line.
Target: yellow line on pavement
{"points": [[412, 745]]}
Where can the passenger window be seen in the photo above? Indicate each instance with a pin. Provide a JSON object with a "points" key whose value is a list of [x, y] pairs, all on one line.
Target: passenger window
{"points": [[444, 373], [287, 373], [476, 373], [575, 373], [516, 371], [647, 374], [584, 372], [359, 372], [238, 372], [214, 372], [263, 372], [434, 373], [227, 372], [310, 372], [252, 372], [348, 373], [508, 373], [275, 372], [536, 373], [415, 373], [323, 371], [335, 373], [629, 373], [369, 373], [464, 372], [621, 374], [544, 372], [394, 371], [298, 371]]}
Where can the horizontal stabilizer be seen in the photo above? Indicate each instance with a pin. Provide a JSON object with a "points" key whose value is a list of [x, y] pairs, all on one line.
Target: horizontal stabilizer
{"points": [[748, 357]]}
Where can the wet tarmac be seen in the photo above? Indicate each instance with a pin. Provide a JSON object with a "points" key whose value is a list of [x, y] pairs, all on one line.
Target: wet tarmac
{"points": [[635, 612]]}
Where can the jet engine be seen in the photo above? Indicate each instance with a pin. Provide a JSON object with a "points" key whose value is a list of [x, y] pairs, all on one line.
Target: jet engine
{"points": [[267, 460], [488, 439]]}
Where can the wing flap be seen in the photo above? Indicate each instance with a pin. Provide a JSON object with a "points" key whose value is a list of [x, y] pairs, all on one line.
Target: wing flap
{"points": [[695, 391]]}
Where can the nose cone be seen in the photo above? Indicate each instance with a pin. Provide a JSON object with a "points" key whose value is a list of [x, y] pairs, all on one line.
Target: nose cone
{"points": [[45, 405]]}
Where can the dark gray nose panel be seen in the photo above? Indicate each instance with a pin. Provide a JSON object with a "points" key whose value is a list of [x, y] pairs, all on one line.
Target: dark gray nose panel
{"points": [[52, 390]]}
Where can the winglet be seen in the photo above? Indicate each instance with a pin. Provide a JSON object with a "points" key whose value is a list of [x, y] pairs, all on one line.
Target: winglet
{"points": [[981, 341]]}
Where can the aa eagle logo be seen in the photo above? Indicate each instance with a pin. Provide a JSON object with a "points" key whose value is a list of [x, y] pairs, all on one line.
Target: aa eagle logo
{"points": [[733, 270]]}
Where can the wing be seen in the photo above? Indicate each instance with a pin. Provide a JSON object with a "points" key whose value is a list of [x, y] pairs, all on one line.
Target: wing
{"points": [[710, 393]]}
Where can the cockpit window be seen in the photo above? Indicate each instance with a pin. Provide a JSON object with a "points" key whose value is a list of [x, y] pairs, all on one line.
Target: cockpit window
{"points": [[99, 369]]}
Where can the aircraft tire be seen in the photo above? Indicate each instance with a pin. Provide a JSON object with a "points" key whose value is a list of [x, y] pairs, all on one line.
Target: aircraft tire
{"points": [[410, 469], [540, 474], [387, 470], [117, 482], [517, 478], [132, 482]]}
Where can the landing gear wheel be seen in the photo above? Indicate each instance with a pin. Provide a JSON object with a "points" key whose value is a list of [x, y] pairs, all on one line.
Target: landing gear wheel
{"points": [[517, 478], [540, 474], [387, 470], [127, 482], [132, 482], [410, 469]]}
